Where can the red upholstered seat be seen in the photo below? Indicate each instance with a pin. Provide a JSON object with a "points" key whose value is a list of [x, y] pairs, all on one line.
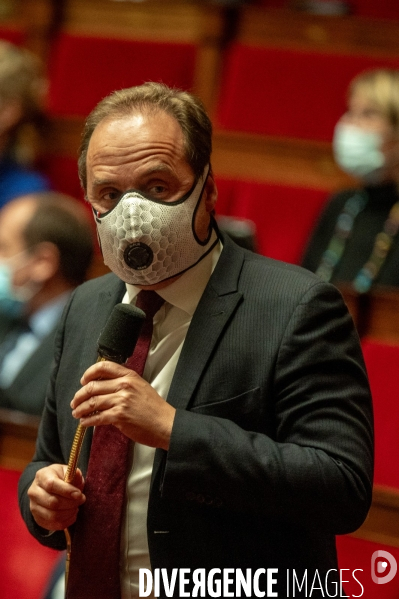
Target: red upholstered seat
{"points": [[382, 362], [286, 92], [85, 69], [284, 216], [25, 565], [356, 554]]}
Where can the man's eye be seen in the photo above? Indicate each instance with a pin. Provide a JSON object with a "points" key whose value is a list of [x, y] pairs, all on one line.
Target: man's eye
{"points": [[158, 190], [111, 196]]}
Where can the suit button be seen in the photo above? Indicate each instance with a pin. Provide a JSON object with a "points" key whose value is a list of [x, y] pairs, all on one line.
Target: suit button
{"points": [[200, 498], [217, 502], [208, 500], [190, 495]]}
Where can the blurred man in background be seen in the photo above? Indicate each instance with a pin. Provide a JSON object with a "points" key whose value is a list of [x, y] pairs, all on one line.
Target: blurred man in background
{"points": [[46, 247]]}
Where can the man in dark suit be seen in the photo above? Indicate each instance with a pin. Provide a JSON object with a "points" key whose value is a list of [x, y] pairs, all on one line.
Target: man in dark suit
{"points": [[262, 452], [46, 246]]}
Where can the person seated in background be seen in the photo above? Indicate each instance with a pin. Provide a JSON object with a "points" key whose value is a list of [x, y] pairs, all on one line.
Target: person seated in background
{"points": [[22, 90], [46, 247], [355, 241]]}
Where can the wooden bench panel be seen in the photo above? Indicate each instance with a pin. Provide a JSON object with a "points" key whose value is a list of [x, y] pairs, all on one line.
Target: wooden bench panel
{"points": [[332, 34], [28, 23], [18, 432], [376, 314]]}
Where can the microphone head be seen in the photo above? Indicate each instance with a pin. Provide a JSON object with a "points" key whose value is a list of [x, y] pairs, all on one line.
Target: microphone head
{"points": [[121, 332]]}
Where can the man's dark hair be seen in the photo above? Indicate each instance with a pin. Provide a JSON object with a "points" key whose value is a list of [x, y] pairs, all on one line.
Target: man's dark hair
{"points": [[151, 98], [63, 221]]}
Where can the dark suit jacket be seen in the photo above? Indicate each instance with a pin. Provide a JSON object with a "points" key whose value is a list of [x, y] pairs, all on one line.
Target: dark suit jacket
{"points": [[271, 450], [27, 392]]}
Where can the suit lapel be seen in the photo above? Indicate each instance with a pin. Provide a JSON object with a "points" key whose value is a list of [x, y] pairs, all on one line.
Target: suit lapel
{"points": [[215, 309], [209, 321]]}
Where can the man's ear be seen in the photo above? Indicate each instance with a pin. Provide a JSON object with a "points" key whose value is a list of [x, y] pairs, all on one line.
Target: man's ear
{"points": [[46, 262], [211, 193]]}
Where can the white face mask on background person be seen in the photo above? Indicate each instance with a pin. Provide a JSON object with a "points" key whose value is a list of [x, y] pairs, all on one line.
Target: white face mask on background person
{"points": [[358, 152], [146, 241], [13, 300]]}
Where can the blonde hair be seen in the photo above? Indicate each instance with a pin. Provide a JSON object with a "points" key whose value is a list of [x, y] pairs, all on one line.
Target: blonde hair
{"points": [[22, 79], [381, 88]]}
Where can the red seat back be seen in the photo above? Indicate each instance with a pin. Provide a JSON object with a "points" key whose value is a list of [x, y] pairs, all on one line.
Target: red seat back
{"points": [[85, 69], [288, 92], [382, 361], [25, 565]]}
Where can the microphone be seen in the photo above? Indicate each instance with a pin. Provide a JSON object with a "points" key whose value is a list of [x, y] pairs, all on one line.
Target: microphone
{"points": [[116, 344], [120, 334]]}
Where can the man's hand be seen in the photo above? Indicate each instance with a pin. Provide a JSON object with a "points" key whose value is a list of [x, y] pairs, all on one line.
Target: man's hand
{"points": [[113, 394], [54, 503]]}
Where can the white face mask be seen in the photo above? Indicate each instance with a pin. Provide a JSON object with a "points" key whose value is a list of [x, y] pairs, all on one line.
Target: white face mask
{"points": [[358, 152], [145, 241]]}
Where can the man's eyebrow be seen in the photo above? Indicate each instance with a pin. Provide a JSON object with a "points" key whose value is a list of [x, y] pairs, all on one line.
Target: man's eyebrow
{"points": [[98, 182], [158, 168]]}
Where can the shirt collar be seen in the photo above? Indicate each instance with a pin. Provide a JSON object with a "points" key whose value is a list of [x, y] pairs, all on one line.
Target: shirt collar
{"points": [[186, 291]]}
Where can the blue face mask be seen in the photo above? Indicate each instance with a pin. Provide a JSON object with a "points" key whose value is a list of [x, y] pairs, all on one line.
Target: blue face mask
{"points": [[10, 303]]}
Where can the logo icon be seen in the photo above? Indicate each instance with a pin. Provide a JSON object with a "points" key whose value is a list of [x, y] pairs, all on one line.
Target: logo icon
{"points": [[383, 562]]}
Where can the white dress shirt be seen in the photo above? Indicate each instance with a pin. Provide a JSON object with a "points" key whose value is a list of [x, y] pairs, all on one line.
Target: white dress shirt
{"points": [[171, 323]]}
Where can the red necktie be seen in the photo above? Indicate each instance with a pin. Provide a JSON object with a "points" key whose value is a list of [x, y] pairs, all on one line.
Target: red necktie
{"points": [[94, 569]]}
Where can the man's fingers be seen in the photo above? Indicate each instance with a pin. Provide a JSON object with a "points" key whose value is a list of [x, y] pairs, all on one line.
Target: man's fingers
{"points": [[102, 395], [78, 480], [54, 503], [54, 520], [104, 370], [57, 487]]}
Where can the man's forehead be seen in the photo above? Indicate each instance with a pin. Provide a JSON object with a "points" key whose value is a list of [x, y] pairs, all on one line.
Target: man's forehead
{"points": [[139, 119], [139, 140]]}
